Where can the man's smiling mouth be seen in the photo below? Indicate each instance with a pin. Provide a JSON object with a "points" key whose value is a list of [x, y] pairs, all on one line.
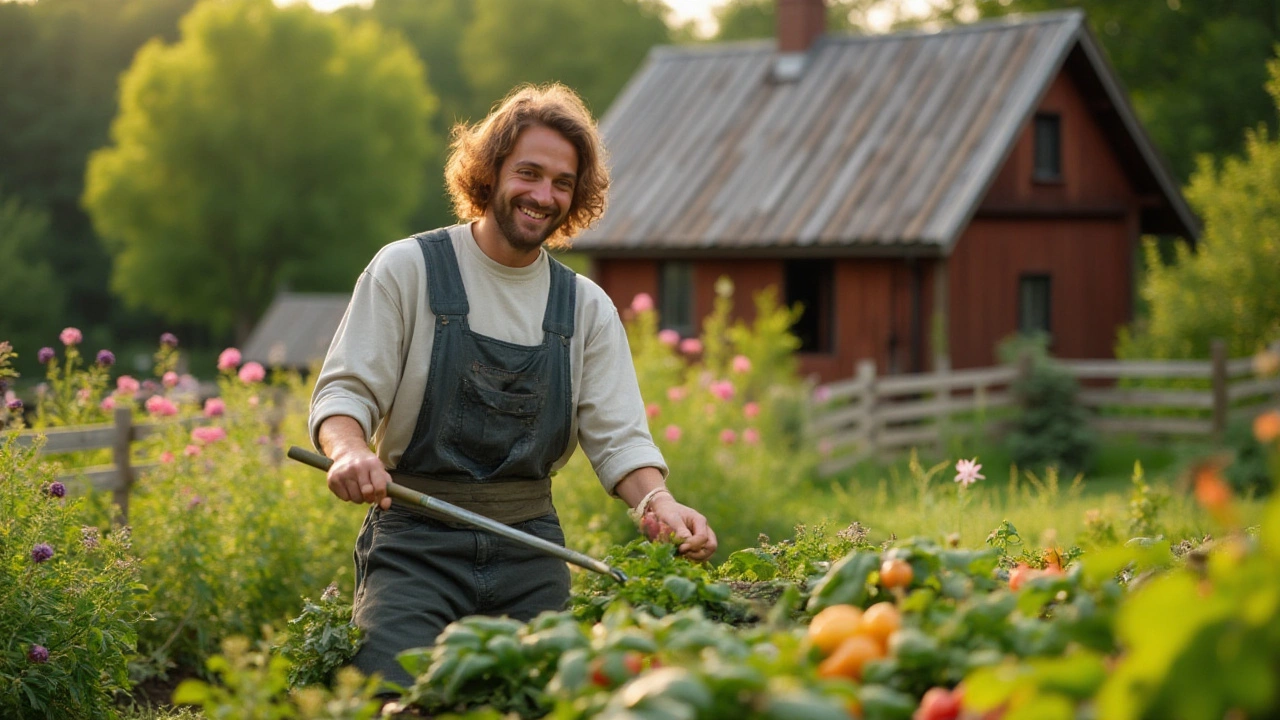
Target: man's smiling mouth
{"points": [[533, 213]]}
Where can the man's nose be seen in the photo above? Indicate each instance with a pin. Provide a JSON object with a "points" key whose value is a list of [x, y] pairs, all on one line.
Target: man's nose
{"points": [[542, 193]]}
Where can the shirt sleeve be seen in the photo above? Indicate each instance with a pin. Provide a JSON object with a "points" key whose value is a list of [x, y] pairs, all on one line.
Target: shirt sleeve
{"points": [[613, 429], [361, 371]]}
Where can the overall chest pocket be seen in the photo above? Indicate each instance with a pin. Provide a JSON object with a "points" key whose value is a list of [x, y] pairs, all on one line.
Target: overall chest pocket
{"points": [[496, 421]]}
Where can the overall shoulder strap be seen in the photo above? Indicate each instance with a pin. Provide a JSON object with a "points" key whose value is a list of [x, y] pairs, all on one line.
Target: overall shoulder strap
{"points": [[444, 281], [561, 300]]}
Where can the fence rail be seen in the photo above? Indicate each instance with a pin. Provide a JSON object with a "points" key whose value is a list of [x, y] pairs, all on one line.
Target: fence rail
{"points": [[119, 436], [868, 415]]}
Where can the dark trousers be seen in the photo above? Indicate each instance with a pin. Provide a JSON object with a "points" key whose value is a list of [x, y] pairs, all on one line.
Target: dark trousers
{"points": [[415, 575]]}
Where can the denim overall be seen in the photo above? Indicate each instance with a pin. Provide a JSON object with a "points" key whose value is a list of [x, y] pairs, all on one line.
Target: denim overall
{"points": [[493, 413]]}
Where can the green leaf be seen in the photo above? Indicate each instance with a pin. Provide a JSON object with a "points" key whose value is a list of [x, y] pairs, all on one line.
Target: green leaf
{"points": [[191, 692], [682, 589]]}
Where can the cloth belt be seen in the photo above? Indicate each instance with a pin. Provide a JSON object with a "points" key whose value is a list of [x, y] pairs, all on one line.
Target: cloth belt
{"points": [[507, 502]]}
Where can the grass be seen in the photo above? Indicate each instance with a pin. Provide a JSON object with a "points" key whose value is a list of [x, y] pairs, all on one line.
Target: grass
{"points": [[907, 498]]}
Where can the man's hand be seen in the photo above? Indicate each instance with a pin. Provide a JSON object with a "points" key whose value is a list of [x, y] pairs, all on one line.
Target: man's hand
{"points": [[357, 474], [687, 527]]}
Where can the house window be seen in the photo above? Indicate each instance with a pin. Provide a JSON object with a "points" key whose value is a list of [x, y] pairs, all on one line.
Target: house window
{"points": [[811, 284], [1033, 304], [1048, 147], [675, 296]]}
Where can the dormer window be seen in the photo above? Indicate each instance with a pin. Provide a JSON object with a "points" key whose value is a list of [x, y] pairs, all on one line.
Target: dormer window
{"points": [[1048, 148]]}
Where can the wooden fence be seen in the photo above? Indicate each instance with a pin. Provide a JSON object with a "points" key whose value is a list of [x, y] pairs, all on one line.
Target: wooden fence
{"points": [[119, 436], [869, 415]]}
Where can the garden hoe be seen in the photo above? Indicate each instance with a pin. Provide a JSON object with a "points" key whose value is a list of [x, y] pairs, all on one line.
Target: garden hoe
{"points": [[449, 510]]}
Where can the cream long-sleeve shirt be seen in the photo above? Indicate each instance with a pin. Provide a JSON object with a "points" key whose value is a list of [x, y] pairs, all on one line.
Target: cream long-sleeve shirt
{"points": [[377, 364]]}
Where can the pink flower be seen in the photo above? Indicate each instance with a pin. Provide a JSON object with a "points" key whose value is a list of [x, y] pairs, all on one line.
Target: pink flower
{"points": [[70, 336], [741, 364], [728, 436], [673, 433], [126, 385], [108, 403], [207, 435], [751, 410], [253, 401], [262, 440], [821, 394], [252, 372], [214, 407], [691, 346], [669, 337], [166, 457], [83, 395], [751, 436], [652, 410], [161, 406], [192, 450], [722, 389], [642, 302], [967, 472], [229, 359], [676, 393], [170, 379], [824, 447]]}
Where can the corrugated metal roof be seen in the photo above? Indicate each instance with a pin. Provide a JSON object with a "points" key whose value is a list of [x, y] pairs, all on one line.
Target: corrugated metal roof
{"points": [[296, 329], [882, 140]]}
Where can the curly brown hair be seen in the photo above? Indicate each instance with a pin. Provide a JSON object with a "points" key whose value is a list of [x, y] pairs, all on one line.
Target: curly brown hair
{"points": [[476, 153]]}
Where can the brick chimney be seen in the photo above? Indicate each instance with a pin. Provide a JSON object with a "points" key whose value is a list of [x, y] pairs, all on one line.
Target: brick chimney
{"points": [[800, 22]]}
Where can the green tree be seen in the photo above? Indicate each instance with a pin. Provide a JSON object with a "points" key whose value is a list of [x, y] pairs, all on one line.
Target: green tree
{"points": [[268, 147], [59, 64], [33, 299], [1195, 71], [593, 46], [1228, 287], [435, 29]]}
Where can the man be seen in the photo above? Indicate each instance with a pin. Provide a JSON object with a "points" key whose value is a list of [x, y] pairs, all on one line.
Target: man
{"points": [[476, 363]]}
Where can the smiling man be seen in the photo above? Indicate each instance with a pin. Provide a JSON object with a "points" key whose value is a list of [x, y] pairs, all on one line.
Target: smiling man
{"points": [[475, 364]]}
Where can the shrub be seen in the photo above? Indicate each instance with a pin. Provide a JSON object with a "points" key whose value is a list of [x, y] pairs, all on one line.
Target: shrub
{"points": [[68, 598], [1051, 427]]}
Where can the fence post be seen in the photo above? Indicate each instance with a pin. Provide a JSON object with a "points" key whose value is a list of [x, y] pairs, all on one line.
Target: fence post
{"points": [[120, 454], [867, 377], [1218, 350], [942, 395]]}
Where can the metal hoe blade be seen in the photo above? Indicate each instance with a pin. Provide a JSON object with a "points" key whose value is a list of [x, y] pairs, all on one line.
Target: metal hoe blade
{"points": [[413, 497]]}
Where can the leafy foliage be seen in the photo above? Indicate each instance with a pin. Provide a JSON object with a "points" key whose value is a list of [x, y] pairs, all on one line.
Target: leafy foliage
{"points": [[33, 300], [278, 144], [1226, 289], [1051, 428], [320, 640], [69, 598]]}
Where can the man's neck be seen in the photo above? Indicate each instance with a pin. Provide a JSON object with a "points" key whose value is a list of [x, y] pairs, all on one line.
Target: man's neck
{"points": [[495, 245]]}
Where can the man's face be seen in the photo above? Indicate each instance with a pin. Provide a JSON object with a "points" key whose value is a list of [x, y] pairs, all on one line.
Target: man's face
{"points": [[535, 188]]}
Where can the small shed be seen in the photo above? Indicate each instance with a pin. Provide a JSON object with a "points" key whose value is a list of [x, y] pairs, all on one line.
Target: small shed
{"points": [[296, 330], [923, 195]]}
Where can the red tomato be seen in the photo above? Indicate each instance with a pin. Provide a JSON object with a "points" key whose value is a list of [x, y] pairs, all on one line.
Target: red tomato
{"points": [[938, 703]]}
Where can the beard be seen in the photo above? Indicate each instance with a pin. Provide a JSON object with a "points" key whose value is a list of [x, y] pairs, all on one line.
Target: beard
{"points": [[505, 213]]}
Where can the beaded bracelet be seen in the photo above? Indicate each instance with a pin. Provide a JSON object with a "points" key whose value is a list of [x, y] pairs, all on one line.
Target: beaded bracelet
{"points": [[642, 507]]}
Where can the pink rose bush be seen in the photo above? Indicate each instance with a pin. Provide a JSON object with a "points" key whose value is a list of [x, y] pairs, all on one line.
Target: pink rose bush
{"points": [[252, 372], [229, 360]]}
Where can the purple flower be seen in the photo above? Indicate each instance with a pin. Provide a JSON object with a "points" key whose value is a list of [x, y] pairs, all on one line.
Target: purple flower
{"points": [[14, 404], [38, 654], [41, 552], [169, 340], [57, 490], [106, 358], [44, 355]]}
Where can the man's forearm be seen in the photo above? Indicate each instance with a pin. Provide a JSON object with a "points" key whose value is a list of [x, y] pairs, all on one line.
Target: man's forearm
{"points": [[340, 434], [638, 483]]}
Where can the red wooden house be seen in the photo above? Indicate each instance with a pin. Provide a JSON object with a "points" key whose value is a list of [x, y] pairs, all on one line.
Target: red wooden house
{"points": [[960, 185]]}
